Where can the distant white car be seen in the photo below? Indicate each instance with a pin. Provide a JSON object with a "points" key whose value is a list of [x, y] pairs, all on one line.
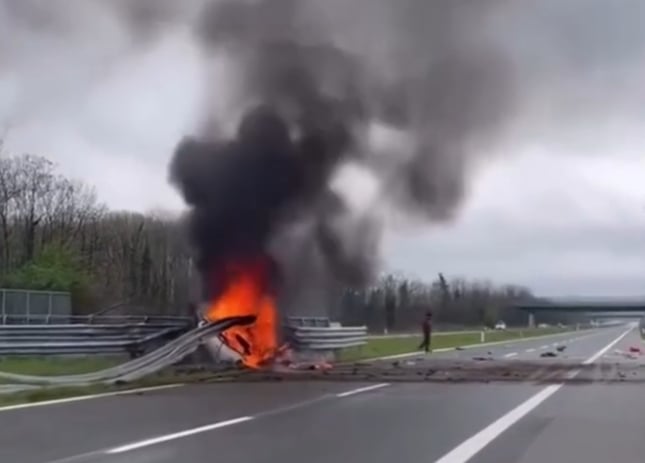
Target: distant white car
{"points": [[500, 325], [543, 325]]}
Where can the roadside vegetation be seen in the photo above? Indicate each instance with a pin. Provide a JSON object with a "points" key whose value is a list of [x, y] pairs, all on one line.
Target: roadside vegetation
{"points": [[56, 366], [384, 346], [40, 394]]}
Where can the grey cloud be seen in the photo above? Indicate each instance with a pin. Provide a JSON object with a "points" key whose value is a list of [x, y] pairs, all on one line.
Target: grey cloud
{"points": [[577, 66]]}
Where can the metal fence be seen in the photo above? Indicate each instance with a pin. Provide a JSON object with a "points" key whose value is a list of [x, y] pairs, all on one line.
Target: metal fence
{"points": [[27, 306]]}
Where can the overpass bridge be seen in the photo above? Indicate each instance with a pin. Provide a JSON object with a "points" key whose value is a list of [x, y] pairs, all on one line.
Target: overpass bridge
{"points": [[597, 308]]}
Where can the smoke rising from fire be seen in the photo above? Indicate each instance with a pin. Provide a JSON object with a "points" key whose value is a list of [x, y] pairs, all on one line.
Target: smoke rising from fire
{"points": [[310, 99], [312, 92], [441, 77]]}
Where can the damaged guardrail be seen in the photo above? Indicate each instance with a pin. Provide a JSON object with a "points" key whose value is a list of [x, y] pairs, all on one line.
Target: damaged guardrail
{"points": [[132, 370]]}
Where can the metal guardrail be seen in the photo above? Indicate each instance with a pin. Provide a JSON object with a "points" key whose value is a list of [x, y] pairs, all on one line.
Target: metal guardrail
{"points": [[90, 319], [326, 338], [123, 337], [308, 321], [132, 370]]}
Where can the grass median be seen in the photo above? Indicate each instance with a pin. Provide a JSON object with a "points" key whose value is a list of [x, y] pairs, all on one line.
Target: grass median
{"points": [[381, 347], [40, 394], [56, 366]]}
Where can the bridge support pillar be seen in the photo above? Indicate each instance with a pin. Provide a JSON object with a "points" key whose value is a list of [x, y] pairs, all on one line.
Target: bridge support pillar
{"points": [[531, 320]]}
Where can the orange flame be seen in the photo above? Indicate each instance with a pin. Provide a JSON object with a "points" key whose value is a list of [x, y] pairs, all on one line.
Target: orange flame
{"points": [[246, 291]]}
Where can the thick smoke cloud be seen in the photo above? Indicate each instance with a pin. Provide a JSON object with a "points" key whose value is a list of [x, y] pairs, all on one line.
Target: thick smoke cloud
{"points": [[316, 79], [310, 99]]}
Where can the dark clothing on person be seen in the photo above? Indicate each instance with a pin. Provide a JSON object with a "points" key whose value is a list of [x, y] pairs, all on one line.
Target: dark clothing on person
{"points": [[427, 335]]}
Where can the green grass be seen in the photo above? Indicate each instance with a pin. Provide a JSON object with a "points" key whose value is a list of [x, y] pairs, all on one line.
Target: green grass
{"points": [[380, 347], [56, 366], [51, 393]]}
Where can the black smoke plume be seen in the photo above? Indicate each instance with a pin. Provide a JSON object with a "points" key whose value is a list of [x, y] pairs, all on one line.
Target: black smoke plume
{"points": [[310, 102]]}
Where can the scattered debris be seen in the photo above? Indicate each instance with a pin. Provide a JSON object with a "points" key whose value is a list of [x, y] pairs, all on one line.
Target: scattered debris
{"points": [[635, 349], [460, 348], [410, 363], [548, 354], [396, 364], [560, 348], [482, 359]]}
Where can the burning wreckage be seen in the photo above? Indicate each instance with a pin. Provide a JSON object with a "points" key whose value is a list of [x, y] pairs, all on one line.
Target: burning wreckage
{"points": [[270, 221]]}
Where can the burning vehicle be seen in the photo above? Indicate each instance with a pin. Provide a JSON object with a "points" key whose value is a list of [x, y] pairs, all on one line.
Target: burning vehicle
{"points": [[274, 222]]}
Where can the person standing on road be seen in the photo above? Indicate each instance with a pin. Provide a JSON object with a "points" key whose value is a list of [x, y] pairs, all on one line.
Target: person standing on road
{"points": [[426, 328]]}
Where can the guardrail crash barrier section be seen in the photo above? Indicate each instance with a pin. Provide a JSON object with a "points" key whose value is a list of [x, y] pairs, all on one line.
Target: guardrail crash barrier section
{"points": [[322, 337], [91, 335]]}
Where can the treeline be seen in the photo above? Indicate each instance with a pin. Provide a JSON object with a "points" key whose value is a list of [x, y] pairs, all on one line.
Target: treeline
{"points": [[56, 235], [399, 303]]}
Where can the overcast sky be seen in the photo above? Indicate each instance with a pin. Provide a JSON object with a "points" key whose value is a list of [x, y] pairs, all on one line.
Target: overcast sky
{"points": [[560, 208]]}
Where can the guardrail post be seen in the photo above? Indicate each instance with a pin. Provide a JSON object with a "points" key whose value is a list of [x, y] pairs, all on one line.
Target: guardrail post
{"points": [[482, 336]]}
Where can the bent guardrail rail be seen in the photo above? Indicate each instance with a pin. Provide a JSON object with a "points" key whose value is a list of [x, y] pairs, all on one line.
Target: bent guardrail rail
{"points": [[135, 369]]}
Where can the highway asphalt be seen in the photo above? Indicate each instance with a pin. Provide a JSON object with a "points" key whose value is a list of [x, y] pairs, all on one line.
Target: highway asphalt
{"points": [[371, 422]]}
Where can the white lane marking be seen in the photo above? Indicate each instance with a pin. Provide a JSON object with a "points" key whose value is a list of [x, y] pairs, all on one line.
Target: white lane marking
{"points": [[177, 435], [604, 350], [362, 389], [470, 447], [544, 347], [530, 350], [87, 397], [512, 354]]}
